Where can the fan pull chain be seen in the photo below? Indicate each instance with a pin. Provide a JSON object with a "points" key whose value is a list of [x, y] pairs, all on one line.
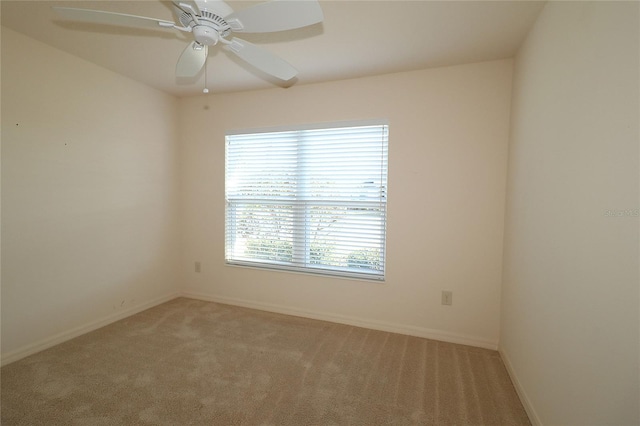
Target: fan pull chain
{"points": [[205, 90]]}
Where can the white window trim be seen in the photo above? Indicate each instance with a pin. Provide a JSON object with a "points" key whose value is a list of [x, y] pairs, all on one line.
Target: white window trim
{"points": [[303, 250]]}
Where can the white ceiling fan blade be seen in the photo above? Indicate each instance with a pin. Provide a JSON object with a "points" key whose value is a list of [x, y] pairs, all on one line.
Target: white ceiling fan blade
{"points": [[276, 15], [111, 18], [262, 59], [191, 60]]}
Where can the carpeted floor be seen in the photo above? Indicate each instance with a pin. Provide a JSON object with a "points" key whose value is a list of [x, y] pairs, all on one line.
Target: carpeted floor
{"points": [[190, 362]]}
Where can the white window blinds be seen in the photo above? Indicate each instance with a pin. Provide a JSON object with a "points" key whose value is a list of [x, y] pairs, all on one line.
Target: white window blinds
{"points": [[308, 200]]}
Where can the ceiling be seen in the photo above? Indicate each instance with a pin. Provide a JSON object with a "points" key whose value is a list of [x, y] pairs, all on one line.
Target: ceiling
{"points": [[356, 39]]}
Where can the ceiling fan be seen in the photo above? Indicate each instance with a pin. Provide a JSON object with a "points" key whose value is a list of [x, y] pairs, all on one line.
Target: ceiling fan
{"points": [[211, 21]]}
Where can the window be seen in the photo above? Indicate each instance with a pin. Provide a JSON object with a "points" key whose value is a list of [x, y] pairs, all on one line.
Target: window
{"points": [[309, 199]]}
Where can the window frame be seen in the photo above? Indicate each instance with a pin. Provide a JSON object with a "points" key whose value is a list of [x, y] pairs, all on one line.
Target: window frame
{"points": [[305, 205]]}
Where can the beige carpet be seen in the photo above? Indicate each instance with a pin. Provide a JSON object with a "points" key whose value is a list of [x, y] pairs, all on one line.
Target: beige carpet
{"points": [[189, 362]]}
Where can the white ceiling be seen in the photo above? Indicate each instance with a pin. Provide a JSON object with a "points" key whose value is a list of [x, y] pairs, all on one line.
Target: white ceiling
{"points": [[357, 38]]}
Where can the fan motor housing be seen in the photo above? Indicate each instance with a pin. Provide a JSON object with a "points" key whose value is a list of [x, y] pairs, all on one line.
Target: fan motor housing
{"points": [[205, 24], [204, 34]]}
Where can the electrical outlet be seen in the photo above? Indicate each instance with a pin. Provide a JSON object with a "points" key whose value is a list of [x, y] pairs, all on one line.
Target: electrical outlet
{"points": [[197, 267], [447, 297]]}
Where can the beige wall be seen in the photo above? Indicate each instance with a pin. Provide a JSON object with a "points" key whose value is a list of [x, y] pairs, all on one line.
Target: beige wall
{"points": [[447, 171], [570, 296], [89, 177]]}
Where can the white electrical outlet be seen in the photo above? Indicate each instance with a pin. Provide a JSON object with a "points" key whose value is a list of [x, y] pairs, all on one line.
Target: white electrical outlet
{"points": [[447, 297], [197, 267]]}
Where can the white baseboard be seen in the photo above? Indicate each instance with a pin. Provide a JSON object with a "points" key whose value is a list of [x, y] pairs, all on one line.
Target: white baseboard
{"points": [[33, 348], [342, 319], [78, 331], [524, 398]]}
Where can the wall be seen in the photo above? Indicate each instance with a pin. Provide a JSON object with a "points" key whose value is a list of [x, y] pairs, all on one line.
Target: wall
{"points": [[89, 180], [447, 171], [570, 296]]}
